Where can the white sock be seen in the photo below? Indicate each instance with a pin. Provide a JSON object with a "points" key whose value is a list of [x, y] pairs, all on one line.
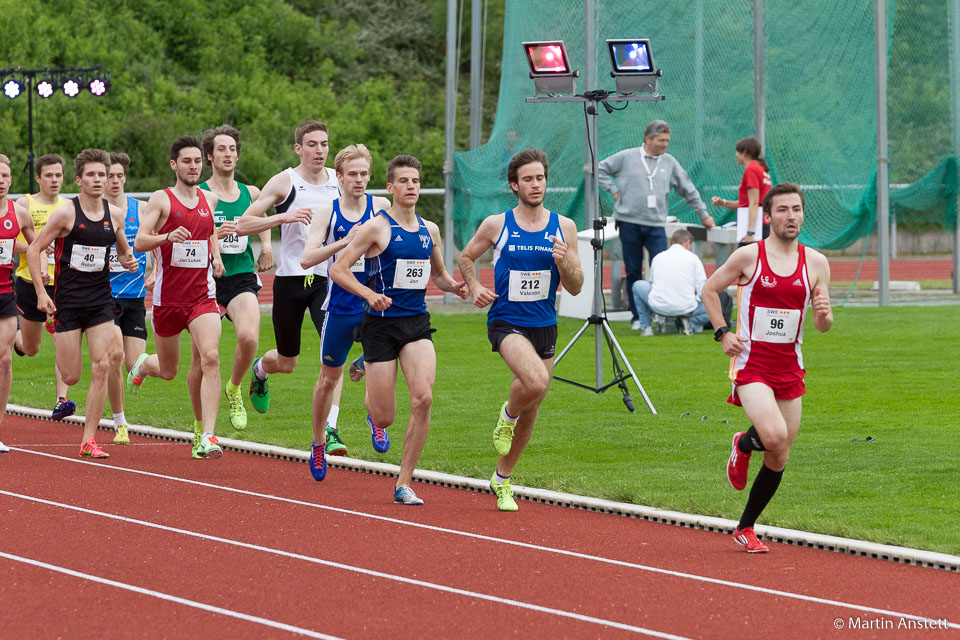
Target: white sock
{"points": [[258, 370], [333, 415], [119, 418], [499, 479], [207, 435], [509, 417]]}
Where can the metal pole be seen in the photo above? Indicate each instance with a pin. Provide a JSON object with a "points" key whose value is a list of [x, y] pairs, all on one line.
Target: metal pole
{"points": [[698, 98], [759, 90], [451, 120], [955, 104], [476, 79], [31, 185], [883, 162], [589, 84]]}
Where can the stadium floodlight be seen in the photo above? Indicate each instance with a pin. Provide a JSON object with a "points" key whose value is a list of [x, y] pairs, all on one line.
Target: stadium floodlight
{"points": [[98, 86], [71, 88], [45, 88], [550, 67], [632, 66], [12, 88]]}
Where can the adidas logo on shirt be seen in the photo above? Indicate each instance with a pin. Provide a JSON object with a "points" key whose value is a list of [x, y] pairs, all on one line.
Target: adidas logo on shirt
{"points": [[340, 228], [398, 238], [797, 283]]}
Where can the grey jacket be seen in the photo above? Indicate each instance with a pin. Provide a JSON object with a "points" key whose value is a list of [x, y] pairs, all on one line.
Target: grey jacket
{"points": [[624, 173]]}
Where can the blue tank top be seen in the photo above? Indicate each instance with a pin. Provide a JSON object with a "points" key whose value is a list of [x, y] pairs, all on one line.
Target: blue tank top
{"points": [[402, 271], [525, 275], [340, 301], [123, 283]]}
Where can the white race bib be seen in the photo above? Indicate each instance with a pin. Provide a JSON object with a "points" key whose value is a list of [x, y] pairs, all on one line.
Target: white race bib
{"points": [[743, 222], [360, 266], [114, 260], [775, 325], [651, 201], [51, 258], [233, 244], [411, 274], [6, 252], [190, 254], [84, 258], [527, 286]]}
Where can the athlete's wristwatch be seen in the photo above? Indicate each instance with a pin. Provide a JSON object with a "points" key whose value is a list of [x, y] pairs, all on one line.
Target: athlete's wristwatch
{"points": [[718, 334], [750, 233]]}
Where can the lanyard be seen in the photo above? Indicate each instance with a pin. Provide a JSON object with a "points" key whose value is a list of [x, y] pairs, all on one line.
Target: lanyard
{"points": [[656, 167]]}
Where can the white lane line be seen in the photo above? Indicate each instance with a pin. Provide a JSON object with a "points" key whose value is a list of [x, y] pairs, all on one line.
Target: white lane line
{"points": [[346, 567], [170, 598], [515, 543], [74, 444]]}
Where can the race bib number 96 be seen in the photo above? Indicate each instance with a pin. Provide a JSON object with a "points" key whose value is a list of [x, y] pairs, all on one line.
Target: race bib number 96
{"points": [[190, 254], [775, 325], [411, 274], [527, 286]]}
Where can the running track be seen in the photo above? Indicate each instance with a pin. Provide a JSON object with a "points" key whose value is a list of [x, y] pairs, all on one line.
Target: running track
{"points": [[154, 544]]}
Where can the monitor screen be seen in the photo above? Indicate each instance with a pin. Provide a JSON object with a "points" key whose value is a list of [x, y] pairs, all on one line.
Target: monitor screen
{"points": [[547, 57], [630, 56]]}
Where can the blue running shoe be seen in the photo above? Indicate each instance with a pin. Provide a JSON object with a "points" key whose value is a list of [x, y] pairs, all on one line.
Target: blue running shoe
{"points": [[381, 440], [405, 495], [318, 461], [64, 408]]}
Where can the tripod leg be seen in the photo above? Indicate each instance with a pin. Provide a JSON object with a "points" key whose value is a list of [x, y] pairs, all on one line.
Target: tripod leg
{"points": [[612, 338], [570, 344]]}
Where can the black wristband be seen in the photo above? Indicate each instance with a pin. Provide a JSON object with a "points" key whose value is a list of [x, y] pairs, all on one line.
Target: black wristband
{"points": [[719, 333], [168, 236]]}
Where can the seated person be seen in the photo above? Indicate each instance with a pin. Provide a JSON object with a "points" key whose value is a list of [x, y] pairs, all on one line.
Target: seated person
{"points": [[676, 278]]}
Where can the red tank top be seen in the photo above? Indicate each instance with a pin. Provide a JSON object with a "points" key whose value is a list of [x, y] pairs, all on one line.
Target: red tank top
{"points": [[771, 311], [185, 272], [9, 230]]}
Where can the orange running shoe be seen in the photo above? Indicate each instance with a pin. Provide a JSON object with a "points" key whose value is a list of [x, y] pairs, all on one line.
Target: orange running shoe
{"points": [[90, 449]]}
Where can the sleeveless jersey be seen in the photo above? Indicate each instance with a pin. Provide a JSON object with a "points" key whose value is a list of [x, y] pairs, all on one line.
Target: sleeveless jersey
{"points": [[772, 311], [235, 251], [184, 271], [9, 231], [40, 213], [123, 283], [525, 274], [402, 271], [339, 300], [83, 269], [293, 235]]}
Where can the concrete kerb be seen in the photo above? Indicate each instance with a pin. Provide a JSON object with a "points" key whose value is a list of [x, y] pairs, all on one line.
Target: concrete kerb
{"points": [[903, 555]]}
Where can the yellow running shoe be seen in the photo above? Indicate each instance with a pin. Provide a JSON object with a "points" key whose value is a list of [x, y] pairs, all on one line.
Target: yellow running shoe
{"points": [[121, 437], [236, 411], [504, 491], [503, 432]]}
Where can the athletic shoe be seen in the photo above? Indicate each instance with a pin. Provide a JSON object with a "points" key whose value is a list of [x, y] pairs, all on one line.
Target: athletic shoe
{"points": [[647, 332], [747, 539], [259, 391], [503, 433], [4, 448], [405, 495], [236, 410], [17, 350], [318, 462], [335, 446], [92, 450], [63, 409], [504, 491], [122, 437], [738, 464], [685, 328], [50, 326], [379, 436], [356, 370], [134, 379], [635, 325], [197, 438], [208, 448]]}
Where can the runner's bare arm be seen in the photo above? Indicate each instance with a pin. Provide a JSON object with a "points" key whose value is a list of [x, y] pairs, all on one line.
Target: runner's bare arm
{"points": [[738, 268], [154, 216], [314, 251], [26, 228], [483, 239], [438, 272], [59, 224], [265, 259], [822, 311], [255, 218], [124, 252], [371, 238], [567, 257]]}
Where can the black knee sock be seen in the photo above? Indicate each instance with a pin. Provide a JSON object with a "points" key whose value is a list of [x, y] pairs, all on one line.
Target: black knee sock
{"points": [[764, 486], [750, 441]]}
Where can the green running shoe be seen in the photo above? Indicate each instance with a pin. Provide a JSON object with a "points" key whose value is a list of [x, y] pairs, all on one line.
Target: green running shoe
{"points": [[134, 379], [504, 491], [335, 446], [208, 448], [236, 411], [197, 437], [259, 391], [503, 432]]}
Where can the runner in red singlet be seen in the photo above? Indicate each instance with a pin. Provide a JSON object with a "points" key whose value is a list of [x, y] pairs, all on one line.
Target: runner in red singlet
{"points": [[179, 223], [777, 278]]}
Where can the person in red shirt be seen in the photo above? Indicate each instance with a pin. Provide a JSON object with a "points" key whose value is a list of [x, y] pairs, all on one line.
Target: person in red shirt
{"points": [[753, 188], [777, 278]]}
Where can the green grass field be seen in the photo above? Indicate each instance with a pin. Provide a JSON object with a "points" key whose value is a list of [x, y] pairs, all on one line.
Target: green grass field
{"points": [[886, 373]]}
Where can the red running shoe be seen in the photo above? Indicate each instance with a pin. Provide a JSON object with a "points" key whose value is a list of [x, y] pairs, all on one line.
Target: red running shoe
{"points": [[747, 539], [92, 450], [737, 465]]}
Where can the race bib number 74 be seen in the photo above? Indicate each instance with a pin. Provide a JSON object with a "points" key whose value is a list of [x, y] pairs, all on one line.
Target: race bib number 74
{"points": [[190, 254], [775, 325]]}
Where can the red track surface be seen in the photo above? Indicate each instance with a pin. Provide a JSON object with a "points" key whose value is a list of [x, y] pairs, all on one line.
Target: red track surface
{"points": [[301, 553]]}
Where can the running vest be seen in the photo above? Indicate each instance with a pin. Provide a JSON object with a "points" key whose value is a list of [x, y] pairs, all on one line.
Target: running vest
{"points": [[525, 274], [184, 271], [339, 300], [9, 231], [123, 283], [402, 271], [293, 235], [83, 270], [40, 213], [772, 310], [235, 250]]}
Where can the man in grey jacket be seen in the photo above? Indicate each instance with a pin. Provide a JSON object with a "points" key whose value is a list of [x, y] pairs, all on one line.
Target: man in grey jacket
{"points": [[640, 180]]}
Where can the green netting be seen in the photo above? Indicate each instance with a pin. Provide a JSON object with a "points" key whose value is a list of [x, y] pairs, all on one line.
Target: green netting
{"points": [[820, 108]]}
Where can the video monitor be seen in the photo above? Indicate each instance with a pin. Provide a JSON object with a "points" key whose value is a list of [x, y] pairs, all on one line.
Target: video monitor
{"points": [[547, 58], [630, 56]]}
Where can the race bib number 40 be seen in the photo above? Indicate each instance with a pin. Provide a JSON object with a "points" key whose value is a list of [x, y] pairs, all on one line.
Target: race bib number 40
{"points": [[775, 325], [6, 252], [411, 274], [84, 258], [190, 254], [527, 286]]}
